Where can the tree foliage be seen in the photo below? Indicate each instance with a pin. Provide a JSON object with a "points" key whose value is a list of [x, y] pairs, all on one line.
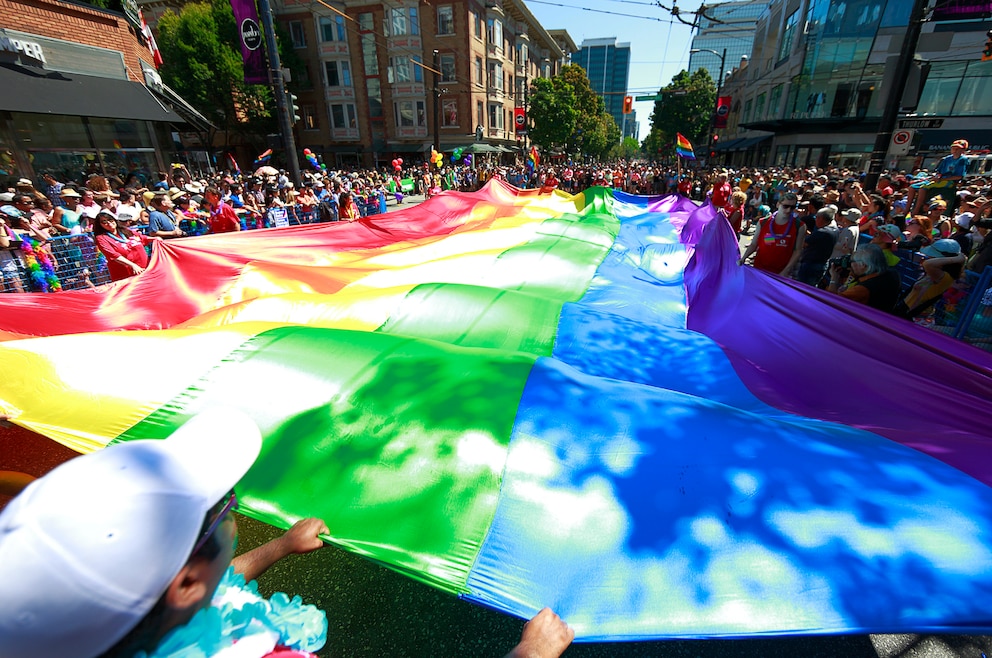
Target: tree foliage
{"points": [[202, 62], [565, 112], [690, 113], [552, 112]]}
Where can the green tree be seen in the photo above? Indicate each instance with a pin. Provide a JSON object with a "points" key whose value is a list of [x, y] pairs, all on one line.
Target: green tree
{"points": [[552, 112], [689, 113], [202, 62], [628, 149]]}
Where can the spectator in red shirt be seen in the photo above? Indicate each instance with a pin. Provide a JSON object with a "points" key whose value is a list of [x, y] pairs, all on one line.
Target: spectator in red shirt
{"points": [[125, 251], [222, 216], [721, 190]]}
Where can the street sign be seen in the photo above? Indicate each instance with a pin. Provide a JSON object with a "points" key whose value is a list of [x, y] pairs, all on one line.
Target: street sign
{"points": [[648, 98], [659, 95], [902, 140], [921, 123]]}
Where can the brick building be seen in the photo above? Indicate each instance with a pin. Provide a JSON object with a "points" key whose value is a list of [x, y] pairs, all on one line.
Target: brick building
{"points": [[369, 96], [75, 96]]}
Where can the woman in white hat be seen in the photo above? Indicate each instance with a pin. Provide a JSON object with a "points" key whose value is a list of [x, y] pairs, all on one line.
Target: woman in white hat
{"points": [[65, 219]]}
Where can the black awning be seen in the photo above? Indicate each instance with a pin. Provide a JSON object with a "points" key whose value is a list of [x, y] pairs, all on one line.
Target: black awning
{"points": [[50, 92], [747, 143], [725, 146], [419, 147]]}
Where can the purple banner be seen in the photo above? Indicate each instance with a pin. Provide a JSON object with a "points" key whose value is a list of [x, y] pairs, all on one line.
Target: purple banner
{"points": [[250, 33], [959, 10]]}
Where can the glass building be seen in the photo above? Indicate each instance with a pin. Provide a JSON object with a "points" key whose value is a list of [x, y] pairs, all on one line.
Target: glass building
{"points": [[607, 63], [727, 26]]}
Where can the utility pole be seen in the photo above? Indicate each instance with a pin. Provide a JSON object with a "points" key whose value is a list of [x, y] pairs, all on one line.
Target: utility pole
{"points": [[437, 101], [279, 91], [526, 99], [719, 87], [894, 96]]}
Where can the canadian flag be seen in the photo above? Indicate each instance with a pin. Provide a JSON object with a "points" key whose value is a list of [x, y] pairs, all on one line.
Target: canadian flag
{"points": [[150, 38]]}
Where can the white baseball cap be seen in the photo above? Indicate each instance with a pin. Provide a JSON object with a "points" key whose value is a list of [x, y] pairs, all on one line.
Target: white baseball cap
{"points": [[87, 550]]}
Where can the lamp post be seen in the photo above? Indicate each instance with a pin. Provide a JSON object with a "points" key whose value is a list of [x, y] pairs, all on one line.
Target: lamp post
{"points": [[719, 86]]}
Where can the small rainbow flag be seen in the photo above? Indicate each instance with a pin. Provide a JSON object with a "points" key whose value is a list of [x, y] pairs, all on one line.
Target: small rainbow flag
{"points": [[683, 148], [534, 157]]}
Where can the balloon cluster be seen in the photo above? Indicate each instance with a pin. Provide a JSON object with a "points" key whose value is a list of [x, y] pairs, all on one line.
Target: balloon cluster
{"points": [[312, 159], [456, 155], [397, 164], [468, 159], [437, 158]]}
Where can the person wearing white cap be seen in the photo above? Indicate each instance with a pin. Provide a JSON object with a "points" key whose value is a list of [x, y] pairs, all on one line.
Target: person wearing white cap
{"points": [[126, 549], [128, 552]]}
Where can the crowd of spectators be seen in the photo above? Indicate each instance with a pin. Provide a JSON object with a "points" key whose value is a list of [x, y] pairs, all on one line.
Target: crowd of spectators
{"points": [[808, 224]]}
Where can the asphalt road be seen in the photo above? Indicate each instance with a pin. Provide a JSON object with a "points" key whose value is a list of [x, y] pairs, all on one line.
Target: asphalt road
{"points": [[374, 612]]}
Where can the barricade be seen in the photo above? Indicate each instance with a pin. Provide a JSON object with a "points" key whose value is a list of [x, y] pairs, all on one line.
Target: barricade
{"points": [[77, 264]]}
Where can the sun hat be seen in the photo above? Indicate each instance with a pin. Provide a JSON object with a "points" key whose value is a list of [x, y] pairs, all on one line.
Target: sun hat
{"points": [[87, 550], [960, 143], [942, 249]]}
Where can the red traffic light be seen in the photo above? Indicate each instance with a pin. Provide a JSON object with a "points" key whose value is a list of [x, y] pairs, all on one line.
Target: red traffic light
{"points": [[628, 104]]}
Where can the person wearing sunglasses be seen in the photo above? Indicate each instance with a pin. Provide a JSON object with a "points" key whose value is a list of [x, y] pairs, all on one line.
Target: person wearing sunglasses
{"points": [[779, 240], [129, 551]]}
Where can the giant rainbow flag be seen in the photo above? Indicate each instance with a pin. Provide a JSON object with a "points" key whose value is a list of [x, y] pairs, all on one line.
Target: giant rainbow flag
{"points": [[579, 402]]}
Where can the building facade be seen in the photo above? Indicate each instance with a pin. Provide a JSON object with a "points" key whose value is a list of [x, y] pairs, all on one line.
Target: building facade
{"points": [[820, 75], [607, 64], [727, 27], [75, 97], [382, 75]]}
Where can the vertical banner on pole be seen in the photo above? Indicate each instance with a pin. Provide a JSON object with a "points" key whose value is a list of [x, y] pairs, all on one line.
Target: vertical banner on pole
{"points": [[520, 119], [722, 112], [250, 34]]}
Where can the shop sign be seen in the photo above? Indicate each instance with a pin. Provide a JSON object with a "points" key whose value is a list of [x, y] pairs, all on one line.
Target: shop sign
{"points": [[30, 49]]}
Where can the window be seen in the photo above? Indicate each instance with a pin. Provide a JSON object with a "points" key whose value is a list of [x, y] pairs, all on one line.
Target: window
{"points": [[495, 29], [496, 116], [309, 117], [445, 20], [343, 116], [478, 25], [522, 54], [369, 59], [365, 22], [297, 34], [759, 107], [414, 21], [496, 76], [774, 100], [975, 96], [402, 22], [374, 88], [480, 114], [417, 69], [788, 34], [941, 87], [410, 114], [448, 68], [338, 73], [478, 72], [449, 112], [747, 112], [399, 70], [332, 29]]}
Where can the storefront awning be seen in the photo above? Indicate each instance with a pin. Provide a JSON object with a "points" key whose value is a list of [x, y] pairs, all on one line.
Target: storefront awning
{"points": [[406, 148], [38, 91], [747, 143], [726, 146]]}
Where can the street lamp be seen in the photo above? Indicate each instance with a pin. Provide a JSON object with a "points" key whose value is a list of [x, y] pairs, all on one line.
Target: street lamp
{"points": [[719, 85]]}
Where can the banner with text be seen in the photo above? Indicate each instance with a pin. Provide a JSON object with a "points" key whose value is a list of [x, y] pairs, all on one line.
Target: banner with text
{"points": [[246, 20], [722, 112]]}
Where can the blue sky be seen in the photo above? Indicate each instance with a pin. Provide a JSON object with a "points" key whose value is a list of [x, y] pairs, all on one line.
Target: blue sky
{"points": [[659, 44]]}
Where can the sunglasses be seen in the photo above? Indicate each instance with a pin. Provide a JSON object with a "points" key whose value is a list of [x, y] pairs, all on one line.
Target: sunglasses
{"points": [[216, 515], [788, 206]]}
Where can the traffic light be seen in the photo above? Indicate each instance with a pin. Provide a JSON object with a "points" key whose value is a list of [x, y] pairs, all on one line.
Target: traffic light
{"points": [[294, 107], [987, 53], [628, 104]]}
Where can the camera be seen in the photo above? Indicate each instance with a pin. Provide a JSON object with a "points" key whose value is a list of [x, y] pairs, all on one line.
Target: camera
{"points": [[844, 262]]}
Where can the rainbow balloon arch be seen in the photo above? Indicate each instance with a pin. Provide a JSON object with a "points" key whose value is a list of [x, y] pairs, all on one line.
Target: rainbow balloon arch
{"points": [[534, 400]]}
